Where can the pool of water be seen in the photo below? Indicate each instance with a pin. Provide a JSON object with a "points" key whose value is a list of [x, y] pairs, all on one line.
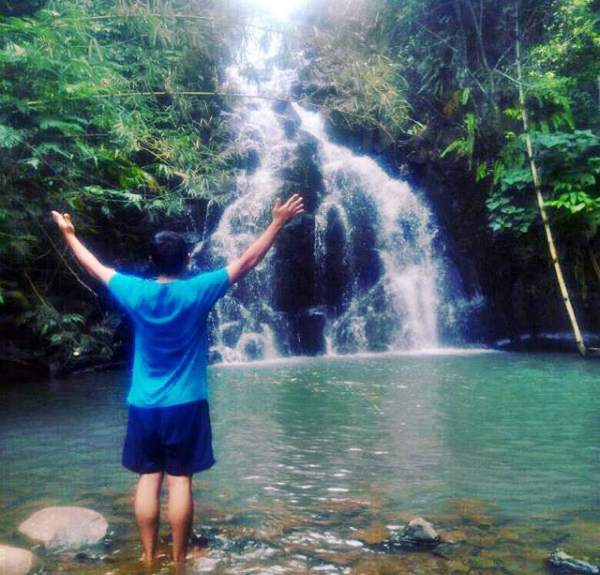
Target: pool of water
{"points": [[320, 460]]}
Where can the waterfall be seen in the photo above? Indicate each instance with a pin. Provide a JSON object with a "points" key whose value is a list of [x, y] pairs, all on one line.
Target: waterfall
{"points": [[357, 272]]}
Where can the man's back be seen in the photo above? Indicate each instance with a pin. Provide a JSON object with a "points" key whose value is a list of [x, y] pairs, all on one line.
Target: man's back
{"points": [[171, 344], [168, 428]]}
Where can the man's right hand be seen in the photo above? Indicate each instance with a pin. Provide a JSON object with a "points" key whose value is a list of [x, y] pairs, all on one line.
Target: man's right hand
{"points": [[283, 213], [64, 222]]}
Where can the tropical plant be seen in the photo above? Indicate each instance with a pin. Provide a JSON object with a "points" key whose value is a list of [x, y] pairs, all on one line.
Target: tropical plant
{"points": [[98, 116]]}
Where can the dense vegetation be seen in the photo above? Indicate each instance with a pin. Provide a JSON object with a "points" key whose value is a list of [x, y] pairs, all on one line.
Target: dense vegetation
{"points": [[437, 83], [95, 119], [112, 110]]}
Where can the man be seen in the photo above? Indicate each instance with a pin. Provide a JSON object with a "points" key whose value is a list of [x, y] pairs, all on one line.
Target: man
{"points": [[168, 430]]}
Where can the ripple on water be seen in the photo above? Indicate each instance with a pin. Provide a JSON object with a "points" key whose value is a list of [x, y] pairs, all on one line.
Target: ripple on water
{"points": [[506, 493]]}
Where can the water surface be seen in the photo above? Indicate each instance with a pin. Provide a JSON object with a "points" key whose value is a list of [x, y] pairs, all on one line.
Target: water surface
{"points": [[320, 460]]}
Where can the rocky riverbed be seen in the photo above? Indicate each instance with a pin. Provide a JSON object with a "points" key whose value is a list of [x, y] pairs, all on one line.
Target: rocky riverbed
{"points": [[469, 538]]}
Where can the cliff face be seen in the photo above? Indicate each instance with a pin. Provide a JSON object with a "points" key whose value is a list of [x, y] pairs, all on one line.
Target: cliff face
{"points": [[509, 282], [513, 279]]}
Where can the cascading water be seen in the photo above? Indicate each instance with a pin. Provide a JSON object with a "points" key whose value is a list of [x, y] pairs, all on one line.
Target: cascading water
{"points": [[356, 272]]}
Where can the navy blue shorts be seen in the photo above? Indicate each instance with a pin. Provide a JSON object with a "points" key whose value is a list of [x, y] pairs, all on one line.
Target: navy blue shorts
{"points": [[175, 439]]}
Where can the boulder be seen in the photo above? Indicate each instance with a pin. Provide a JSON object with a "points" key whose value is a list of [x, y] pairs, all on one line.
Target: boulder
{"points": [[310, 329], [419, 532], [21, 8], [62, 528], [301, 172], [15, 561], [289, 119], [253, 348], [567, 564]]}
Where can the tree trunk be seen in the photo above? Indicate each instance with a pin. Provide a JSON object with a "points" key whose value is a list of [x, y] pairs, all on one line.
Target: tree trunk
{"points": [[540, 201]]}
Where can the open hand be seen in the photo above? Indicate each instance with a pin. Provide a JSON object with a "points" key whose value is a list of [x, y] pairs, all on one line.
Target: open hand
{"points": [[283, 213], [64, 222]]}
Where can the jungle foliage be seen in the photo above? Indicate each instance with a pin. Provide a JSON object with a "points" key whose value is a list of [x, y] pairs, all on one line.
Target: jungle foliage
{"points": [[441, 74], [453, 66], [93, 121]]}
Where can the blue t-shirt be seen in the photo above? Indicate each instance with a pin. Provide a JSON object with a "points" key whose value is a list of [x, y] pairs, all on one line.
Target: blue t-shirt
{"points": [[169, 363]]}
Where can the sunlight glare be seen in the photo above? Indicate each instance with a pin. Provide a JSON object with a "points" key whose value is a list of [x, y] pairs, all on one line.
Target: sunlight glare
{"points": [[277, 8]]}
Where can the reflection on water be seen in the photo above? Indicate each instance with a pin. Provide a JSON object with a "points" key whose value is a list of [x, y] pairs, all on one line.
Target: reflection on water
{"points": [[321, 459]]}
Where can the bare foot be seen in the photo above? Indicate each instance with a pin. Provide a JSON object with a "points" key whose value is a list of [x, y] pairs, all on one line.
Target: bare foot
{"points": [[193, 555], [153, 561]]}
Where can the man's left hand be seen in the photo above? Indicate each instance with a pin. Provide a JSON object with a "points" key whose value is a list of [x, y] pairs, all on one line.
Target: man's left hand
{"points": [[64, 222]]}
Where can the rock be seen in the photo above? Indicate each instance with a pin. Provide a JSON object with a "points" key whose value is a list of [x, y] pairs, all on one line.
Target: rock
{"points": [[566, 563], [374, 534], [294, 267], [61, 528], [231, 332], [23, 8], [301, 172], [252, 346], [310, 330], [289, 118], [419, 532], [15, 561]]}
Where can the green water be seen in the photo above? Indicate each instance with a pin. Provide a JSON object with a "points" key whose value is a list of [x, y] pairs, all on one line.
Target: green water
{"points": [[320, 459]]}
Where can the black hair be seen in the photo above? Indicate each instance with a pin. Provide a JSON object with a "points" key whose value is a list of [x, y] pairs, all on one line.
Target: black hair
{"points": [[169, 253]]}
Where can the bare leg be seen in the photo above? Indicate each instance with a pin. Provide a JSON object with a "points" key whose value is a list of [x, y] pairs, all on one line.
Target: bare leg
{"points": [[181, 514], [147, 512]]}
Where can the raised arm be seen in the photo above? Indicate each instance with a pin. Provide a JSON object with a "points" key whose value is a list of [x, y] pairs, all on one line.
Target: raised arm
{"points": [[282, 213], [86, 258]]}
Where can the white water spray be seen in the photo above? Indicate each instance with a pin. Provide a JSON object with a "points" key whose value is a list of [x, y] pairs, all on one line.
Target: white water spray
{"points": [[369, 228]]}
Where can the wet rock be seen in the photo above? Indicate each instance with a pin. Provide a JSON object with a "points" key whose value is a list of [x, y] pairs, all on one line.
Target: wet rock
{"points": [[294, 267], [289, 118], [313, 88], [447, 550], [374, 534], [337, 272], [456, 536], [231, 332], [23, 8], [482, 563], [456, 567], [310, 329], [302, 174], [84, 556], [254, 349], [15, 561], [566, 564], [214, 356], [420, 533], [244, 155], [62, 528]]}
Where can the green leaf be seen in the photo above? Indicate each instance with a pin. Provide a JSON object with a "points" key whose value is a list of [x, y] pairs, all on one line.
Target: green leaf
{"points": [[10, 137], [465, 95], [62, 126]]}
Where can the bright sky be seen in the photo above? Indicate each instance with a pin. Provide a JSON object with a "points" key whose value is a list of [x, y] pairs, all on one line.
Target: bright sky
{"points": [[278, 8]]}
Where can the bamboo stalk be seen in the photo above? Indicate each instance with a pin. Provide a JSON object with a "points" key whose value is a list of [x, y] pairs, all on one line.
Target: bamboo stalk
{"points": [[540, 201]]}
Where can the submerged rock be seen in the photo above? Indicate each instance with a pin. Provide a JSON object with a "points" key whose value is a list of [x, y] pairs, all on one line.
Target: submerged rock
{"points": [[15, 561], [374, 534], [62, 528], [418, 532], [567, 564]]}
